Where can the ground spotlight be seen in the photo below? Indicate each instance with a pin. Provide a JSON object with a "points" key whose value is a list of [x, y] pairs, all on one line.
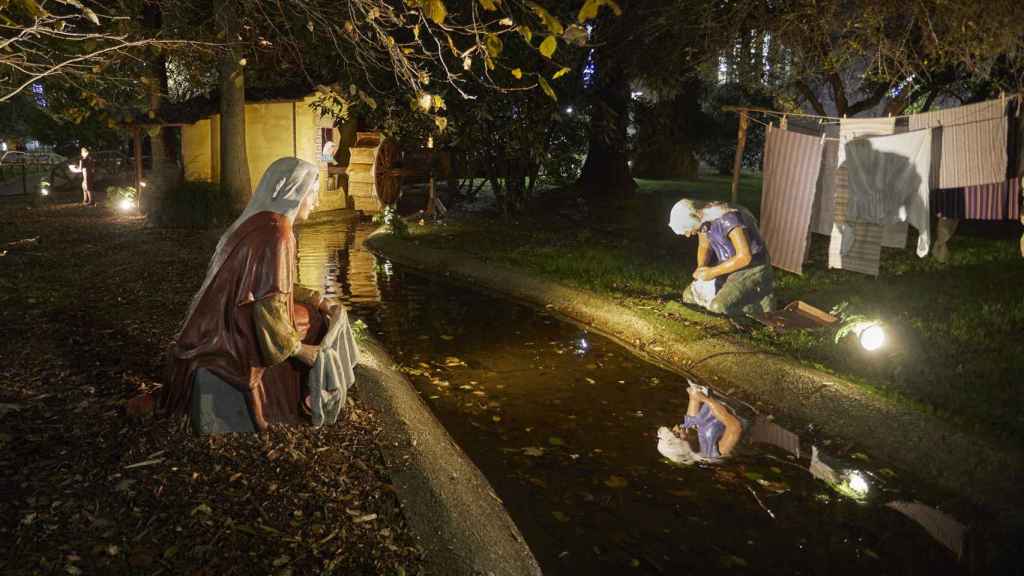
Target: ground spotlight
{"points": [[871, 336], [857, 484], [125, 205]]}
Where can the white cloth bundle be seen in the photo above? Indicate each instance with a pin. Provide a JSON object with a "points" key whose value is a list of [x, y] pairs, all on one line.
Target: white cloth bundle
{"points": [[331, 374], [703, 291]]}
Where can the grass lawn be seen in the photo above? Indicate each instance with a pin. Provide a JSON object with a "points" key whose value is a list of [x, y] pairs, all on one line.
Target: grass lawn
{"points": [[954, 329]]}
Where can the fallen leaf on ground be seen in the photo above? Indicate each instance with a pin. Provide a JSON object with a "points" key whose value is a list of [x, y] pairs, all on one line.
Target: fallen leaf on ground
{"points": [[616, 482]]}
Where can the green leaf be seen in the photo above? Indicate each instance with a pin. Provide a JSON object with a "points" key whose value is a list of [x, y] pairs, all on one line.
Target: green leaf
{"points": [[436, 11], [554, 26], [488, 5], [91, 16], [526, 32], [517, 73], [546, 88], [493, 45], [560, 73], [588, 11], [547, 47]]}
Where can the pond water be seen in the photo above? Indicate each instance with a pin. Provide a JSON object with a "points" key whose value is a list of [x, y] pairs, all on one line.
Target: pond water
{"points": [[563, 424]]}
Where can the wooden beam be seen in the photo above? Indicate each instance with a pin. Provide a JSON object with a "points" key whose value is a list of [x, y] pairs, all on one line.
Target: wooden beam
{"points": [[741, 143]]}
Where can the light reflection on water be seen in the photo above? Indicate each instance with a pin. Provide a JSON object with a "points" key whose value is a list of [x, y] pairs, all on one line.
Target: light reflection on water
{"points": [[563, 425]]}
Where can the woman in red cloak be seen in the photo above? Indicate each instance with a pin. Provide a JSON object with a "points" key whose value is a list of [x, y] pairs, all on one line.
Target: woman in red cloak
{"points": [[250, 324]]}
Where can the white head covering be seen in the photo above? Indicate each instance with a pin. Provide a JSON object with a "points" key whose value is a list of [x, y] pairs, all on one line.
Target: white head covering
{"points": [[283, 187], [684, 216]]}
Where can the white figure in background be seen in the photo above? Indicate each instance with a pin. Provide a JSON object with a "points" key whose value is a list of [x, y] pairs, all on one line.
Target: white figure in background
{"points": [[85, 167]]}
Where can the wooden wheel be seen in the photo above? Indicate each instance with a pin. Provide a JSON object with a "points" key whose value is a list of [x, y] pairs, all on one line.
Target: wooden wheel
{"points": [[387, 176]]}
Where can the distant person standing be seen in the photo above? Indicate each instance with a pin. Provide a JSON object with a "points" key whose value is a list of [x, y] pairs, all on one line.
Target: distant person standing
{"points": [[85, 167]]}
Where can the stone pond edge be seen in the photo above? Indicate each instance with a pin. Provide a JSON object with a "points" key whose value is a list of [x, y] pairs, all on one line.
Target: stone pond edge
{"points": [[953, 459], [460, 523]]}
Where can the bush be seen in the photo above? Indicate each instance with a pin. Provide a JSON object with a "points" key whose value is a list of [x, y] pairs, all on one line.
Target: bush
{"points": [[193, 205]]}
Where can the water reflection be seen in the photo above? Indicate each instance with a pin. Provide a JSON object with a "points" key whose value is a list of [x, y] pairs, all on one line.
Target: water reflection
{"points": [[561, 424]]}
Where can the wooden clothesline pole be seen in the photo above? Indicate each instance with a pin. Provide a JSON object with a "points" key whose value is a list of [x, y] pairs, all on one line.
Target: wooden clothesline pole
{"points": [[741, 143]]}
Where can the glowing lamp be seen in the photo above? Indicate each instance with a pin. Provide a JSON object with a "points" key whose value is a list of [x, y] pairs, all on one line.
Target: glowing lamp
{"points": [[142, 184], [125, 205], [871, 336], [857, 484]]}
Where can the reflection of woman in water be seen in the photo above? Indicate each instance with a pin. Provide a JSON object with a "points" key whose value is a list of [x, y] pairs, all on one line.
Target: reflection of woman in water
{"points": [[718, 430], [733, 274]]}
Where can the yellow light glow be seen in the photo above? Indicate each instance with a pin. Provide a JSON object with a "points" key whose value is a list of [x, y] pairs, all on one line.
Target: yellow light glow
{"points": [[126, 205], [872, 337], [858, 484]]}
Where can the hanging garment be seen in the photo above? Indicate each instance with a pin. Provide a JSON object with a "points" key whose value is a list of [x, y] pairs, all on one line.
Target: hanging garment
{"points": [[856, 246], [969, 145], [888, 181], [331, 375], [824, 192], [948, 203], [1015, 139], [791, 165], [895, 235], [998, 201]]}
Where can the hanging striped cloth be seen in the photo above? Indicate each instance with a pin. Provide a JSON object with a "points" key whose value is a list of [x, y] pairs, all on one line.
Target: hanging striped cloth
{"points": [[791, 165]]}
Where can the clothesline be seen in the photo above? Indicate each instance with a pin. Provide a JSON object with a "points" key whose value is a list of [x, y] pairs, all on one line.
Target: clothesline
{"points": [[769, 125], [832, 119]]}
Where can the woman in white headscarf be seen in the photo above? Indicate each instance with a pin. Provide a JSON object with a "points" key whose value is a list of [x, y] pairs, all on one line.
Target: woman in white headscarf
{"points": [[250, 325], [733, 274]]}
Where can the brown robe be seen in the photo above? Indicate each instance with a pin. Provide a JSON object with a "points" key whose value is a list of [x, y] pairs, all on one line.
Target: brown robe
{"points": [[223, 335]]}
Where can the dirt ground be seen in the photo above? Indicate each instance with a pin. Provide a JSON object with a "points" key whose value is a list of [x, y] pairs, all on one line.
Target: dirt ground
{"points": [[89, 300]]}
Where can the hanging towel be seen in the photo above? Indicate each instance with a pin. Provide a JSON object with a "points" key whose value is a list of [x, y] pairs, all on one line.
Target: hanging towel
{"points": [[969, 144], [864, 241], [331, 374], [888, 181], [999, 201], [791, 165], [948, 203], [1015, 139], [824, 192], [895, 235]]}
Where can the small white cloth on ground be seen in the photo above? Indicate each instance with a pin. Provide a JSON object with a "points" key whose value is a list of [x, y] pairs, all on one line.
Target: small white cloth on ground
{"points": [[332, 374], [703, 291]]}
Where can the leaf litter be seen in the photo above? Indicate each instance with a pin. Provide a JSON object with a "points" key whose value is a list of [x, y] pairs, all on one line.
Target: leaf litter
{"points": [[93, 491]]}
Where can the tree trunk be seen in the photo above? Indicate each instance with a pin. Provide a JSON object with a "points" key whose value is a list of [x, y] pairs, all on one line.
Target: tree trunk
{"points": [[606, 169], [234, 163]]}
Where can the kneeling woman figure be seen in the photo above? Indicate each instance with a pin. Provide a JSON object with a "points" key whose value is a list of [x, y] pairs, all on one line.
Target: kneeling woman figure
{"points": [[250, 325], [733, 274]]}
